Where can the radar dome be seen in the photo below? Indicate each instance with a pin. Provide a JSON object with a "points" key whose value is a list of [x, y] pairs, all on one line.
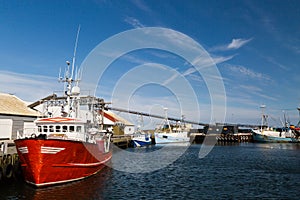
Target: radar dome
{"points": [[75, 90]]}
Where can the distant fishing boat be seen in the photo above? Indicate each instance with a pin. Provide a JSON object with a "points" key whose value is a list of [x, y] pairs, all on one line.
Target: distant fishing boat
{"points": [[67, 144], [297, 127], [269, 134], [140, 138], [169, 133]]}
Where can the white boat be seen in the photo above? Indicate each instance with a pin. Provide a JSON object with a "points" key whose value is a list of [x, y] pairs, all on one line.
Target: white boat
{"points": [[269, 134], [169, 133], [274, 135], [171, 137]]}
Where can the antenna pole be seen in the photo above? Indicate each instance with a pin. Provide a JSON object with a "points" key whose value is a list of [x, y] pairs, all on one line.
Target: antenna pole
{"points": [[299, 116], [75, 48]]}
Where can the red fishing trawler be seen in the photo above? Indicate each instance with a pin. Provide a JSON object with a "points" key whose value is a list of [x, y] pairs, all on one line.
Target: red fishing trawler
{"points": [[69, 142], [61, 150]]}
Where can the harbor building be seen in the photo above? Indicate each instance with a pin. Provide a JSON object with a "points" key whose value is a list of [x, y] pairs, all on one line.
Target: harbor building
{"points": [[14, 116]]}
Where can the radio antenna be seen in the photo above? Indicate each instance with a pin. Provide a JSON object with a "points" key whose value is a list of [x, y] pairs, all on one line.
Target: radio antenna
{"points": [[75, 48]]}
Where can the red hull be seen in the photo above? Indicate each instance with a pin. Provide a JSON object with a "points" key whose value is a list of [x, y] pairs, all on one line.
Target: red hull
{"points": [[51, 161]]}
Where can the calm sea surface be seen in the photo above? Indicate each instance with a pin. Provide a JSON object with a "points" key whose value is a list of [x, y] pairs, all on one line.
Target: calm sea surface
{"points": [[239, 171]]}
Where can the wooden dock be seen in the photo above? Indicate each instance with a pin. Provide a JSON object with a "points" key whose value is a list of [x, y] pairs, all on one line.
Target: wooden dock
{"points": [[122, 141], [198, 138]]}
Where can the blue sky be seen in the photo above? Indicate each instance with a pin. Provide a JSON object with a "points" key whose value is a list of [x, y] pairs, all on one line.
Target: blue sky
{"points": [[254, 44]]}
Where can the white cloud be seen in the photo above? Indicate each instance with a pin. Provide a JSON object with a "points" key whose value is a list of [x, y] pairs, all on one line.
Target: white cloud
{"points": [[238, 43], [273, 61], [244, 71], [134, 22], [251, 88], [206, 62], [235, 44], [221, 59], [252, 91], [141, 5], [27, 86], [209, 61]]}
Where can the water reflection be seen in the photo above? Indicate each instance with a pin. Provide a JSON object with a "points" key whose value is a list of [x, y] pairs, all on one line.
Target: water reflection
{"points": [[289, 146], [90, 188]]}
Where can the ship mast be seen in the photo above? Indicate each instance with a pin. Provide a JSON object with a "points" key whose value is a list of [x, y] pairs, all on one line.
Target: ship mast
{"points": [[71, 92], [263, 117], [299, 116], [167, 120]]}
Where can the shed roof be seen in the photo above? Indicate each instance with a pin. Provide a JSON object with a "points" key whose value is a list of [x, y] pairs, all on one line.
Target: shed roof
{"points": [[115, 118], [12, 105]]}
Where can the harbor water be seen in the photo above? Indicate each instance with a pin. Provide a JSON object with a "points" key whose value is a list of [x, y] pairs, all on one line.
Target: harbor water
{"points": [[229, 171]]}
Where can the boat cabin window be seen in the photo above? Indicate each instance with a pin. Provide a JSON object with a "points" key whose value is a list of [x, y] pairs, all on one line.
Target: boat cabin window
{"points": [[78, 129], [57, 129], [64, 128], [72, 128], [51, 129], [45, 129]]}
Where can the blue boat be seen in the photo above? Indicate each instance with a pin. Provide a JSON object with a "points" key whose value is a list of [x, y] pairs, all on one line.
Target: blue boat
{"points": [[141, 139]]}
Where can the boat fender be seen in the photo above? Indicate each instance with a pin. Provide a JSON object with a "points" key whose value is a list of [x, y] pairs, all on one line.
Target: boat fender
{"points": [[107, 143], [17, 169], [7, 159], [1, 174], [42, 136], [8, 171], [2, 159], [33, 135]]}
